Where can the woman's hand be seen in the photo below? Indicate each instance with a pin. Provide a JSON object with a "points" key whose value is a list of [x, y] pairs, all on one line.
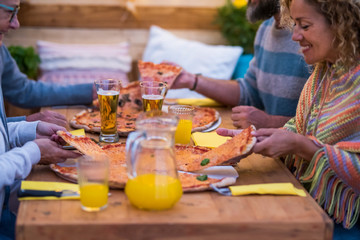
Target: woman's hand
{"points": [[273, 142]]}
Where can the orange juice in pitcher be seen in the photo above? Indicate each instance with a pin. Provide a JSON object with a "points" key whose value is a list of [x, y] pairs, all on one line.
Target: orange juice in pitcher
{"points": [[153, 181]]}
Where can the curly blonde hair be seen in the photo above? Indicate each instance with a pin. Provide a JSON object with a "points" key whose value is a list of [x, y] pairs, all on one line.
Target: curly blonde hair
{"points": [[344, 19]]}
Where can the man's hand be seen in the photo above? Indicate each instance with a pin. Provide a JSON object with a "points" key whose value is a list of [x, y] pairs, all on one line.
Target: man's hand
{"points": [[244, 116], [47, 130], [51, 152], [184, 80], [48, 116]]}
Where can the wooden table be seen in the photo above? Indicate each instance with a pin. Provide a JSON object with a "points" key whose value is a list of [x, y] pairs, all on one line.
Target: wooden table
{"points": [[202, 215]]}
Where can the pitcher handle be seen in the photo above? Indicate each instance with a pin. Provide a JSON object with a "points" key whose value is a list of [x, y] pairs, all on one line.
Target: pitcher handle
{"points": [[132, 144]]}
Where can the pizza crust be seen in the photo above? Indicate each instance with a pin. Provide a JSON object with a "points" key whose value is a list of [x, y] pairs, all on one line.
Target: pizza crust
{"points": [[71, 177], [75, 124]]}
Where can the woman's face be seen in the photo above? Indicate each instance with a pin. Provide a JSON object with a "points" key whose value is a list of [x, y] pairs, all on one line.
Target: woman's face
{"points": [[313, 33]]}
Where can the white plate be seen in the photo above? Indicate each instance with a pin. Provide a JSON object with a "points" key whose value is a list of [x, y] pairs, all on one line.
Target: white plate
{"points": [[214, 126], [218, 172]]}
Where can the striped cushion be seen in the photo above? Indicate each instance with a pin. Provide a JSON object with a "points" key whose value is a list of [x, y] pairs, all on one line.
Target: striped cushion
{"points": [[83, 63]]}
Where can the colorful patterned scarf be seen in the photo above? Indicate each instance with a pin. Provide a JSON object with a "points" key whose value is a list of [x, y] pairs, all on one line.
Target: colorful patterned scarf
{"points": [[328, 112]]}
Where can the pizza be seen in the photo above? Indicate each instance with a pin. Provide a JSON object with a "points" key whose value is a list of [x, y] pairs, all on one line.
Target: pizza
{"points": [[118, 170], [162, 72], [204, 118], [87, 146], [239, 145], [89, 119]]}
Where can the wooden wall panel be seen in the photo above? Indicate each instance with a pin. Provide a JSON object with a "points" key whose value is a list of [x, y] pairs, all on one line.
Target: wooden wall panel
{"points": [[116, 16]]}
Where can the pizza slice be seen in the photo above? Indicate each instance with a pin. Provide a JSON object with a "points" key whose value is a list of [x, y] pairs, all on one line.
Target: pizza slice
{"points": [[82, 143], [162, 72], [239, 145]]}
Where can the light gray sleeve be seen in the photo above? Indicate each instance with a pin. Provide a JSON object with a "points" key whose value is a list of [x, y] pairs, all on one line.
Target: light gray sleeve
{"points": [[17, 163], [21, 132]]}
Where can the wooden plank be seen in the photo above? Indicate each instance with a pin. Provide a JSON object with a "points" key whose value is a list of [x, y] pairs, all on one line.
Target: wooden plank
{"points": [[176, 3], [117, 16]]}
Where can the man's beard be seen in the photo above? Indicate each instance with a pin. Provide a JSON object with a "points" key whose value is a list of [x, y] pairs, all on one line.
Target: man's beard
{"points": [[265, 9]]}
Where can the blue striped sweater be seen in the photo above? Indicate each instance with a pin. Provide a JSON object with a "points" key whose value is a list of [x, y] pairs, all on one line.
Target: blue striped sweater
{"points": [[276, 74]]}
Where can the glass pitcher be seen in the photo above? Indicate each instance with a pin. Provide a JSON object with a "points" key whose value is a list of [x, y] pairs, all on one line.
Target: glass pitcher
{"points": [[153, 180]]}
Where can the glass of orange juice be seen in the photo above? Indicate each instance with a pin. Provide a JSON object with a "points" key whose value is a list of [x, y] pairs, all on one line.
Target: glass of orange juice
{"points": [[93, 174], [185, 114]]}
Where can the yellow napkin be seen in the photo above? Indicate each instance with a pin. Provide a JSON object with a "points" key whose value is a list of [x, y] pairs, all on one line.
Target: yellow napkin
{"points": [[269, 188], [202, 102], [49, 186], [78, 132], [208, 139]]}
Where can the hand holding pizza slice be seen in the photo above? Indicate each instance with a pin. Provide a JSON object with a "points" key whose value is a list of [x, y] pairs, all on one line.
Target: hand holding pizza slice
{"points": [[238, 146], [82, 143], [162, 72]]}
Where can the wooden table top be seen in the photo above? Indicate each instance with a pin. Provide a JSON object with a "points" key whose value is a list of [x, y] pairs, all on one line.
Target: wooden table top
{"points": [[201, 215]]}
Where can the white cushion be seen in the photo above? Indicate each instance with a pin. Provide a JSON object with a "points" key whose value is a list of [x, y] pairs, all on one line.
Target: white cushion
{"points": [[215, 61]]}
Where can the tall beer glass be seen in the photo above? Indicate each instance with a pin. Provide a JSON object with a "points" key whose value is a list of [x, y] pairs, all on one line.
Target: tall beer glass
{"points": [[153, 94], [108, 94]]}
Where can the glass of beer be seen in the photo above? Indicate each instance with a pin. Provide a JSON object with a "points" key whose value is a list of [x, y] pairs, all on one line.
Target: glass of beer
{"points": [[153, 94], [183, 130], [93, 175], [108, 94]]}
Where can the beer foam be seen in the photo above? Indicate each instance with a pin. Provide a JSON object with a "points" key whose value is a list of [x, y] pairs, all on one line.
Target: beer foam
{"points": [[107, 92], [152, 97]]}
